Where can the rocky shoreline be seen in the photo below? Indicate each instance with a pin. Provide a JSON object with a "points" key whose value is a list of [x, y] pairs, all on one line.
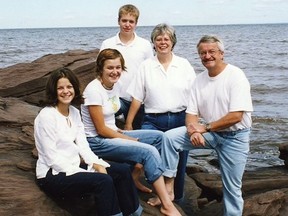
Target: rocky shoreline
{"points": [[22, 86]]}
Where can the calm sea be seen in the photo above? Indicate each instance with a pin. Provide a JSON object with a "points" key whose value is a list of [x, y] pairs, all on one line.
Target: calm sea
{"points": [[260, 50]]}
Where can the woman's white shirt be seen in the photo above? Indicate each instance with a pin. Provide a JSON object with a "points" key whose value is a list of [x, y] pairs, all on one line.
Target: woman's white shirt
{"points": [[60, 142], [163, 91], [96, 94]]}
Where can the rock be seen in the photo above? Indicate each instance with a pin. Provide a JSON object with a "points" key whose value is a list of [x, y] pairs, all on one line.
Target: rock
{"points": [[27, 80], [21, 91], [283, 148], [268, 203], [19, 195], [264, 191]]}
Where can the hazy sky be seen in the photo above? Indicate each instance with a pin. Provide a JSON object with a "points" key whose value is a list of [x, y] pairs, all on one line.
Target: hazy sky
{"points": [[95, 13]]}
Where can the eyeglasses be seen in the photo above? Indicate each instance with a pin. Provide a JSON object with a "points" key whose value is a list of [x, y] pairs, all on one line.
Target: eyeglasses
{"points": [[210, 52]]}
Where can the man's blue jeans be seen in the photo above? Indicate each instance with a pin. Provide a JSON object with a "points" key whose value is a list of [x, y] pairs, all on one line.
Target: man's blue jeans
{"points": [[232, 149]]}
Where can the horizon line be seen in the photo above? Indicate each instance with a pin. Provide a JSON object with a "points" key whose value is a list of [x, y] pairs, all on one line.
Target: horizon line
{"points": [[112, 26]]}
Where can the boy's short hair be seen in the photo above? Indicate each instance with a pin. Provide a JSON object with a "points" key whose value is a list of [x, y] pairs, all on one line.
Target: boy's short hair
{"points": [[128, 9]]}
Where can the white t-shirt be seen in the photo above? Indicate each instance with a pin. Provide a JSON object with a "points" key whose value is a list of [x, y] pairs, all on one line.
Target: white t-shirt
{"points": [[60, 145], [163, 91], [96, 94], [214, 97], [134, 54]]}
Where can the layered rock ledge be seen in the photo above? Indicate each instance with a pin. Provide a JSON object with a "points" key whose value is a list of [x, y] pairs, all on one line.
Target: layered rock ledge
{"points": [[265, 190]]}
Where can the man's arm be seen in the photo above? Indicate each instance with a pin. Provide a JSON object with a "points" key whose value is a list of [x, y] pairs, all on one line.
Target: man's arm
{"points": [[226, 121]]}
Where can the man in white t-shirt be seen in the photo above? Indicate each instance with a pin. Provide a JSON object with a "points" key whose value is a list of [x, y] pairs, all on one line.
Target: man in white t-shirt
{"points": [[221, 97], [134, 49]]}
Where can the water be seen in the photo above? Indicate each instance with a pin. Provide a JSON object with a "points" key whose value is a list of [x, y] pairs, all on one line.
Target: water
{"points": [[260, 50]]}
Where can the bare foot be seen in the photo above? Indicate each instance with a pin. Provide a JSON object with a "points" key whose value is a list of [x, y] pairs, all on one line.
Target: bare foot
{"points": [[170, 211], [154, 201], [142, 187], [137, 171]]}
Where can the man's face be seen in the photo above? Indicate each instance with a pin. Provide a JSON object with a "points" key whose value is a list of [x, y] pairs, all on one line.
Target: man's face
{"points": [[127, 23], [210, 54]]}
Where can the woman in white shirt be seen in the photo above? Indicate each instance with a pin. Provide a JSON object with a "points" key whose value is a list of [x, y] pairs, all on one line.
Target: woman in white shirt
{"points": [[163, 84], [61, 143], [101, 102]]}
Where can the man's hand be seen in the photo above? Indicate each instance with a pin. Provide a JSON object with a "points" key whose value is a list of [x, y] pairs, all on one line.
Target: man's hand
{"points": [[197, 139], [195, 128]]}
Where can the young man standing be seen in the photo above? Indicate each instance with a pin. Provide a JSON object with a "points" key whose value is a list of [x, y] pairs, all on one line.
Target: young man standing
{"points": [[134, 50]]}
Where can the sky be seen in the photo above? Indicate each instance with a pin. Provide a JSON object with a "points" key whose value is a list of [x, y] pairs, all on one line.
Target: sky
{"points": [[98, 13]]}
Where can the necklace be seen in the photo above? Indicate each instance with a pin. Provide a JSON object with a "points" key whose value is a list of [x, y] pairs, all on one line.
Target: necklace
{"points": [[106, 87]]}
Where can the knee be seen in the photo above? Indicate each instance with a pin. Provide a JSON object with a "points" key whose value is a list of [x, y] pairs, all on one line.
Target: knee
{"points": [[105, 181], [124, 172], [160, 135], [153, 153]]}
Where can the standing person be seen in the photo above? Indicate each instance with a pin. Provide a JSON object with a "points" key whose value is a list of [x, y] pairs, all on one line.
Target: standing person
{"points": [[163, 84], [134, 50], [60, 140], [221, 96], [101, 102]]}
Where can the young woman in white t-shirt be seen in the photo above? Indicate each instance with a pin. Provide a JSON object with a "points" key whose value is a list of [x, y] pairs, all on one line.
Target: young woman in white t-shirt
{"points": [[137, 147]]}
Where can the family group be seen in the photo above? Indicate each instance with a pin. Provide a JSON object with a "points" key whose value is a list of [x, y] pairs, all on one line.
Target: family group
{"points": [[167, 109]]}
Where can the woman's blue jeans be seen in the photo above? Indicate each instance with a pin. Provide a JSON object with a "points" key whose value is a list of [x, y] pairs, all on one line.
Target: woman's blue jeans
{"points": [[232, 149], [145, 152], [164, 122]]}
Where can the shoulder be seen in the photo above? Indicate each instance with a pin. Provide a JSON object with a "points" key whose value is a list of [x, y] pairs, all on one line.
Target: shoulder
{"points": [[201, 77], [235, 71], [150, 62], [48, 110], [94, 84], [137, 37], [113, 38], [233, 67], [109, 42], [180, 60], [93, 93], [47, 114], [142, 40], [74, 110]]}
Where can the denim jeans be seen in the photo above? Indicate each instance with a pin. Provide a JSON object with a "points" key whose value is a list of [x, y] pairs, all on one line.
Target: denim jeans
{"points": [[113, 194], [146, 151], [164, 122], [232, 149], [125, 105]]}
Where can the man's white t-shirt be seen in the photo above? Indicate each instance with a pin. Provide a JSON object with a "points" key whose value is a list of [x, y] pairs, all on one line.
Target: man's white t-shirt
{"points": [[213, 97]]}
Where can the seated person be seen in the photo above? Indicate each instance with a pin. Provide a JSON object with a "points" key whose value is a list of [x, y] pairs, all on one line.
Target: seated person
{"points": [[138, 147], [60, 140]]}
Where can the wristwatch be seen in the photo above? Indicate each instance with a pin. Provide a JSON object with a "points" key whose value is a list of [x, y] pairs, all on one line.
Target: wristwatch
{"points": [[207, 127]]}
